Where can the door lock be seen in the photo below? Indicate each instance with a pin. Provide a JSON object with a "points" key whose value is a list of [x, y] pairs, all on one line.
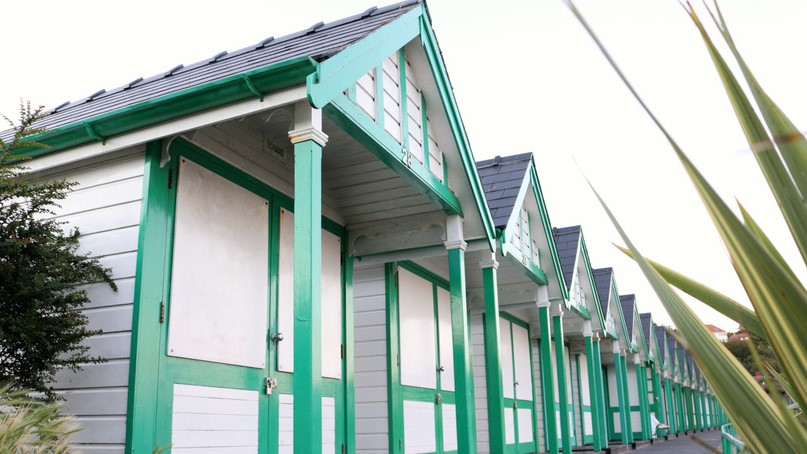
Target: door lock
{"points": [[437, 399], [271, 383], [276, 337]]}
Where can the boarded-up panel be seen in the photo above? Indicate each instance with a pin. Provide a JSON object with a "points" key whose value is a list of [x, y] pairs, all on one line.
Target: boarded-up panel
{"points": [[328, 425], [219, 272], [286, 424], [205, 417], [416, 313], [521, 359], [509, 426], [449, 413], [331, 305], [506, 355], [525, 432], [331, 302], [435, 155], [419, 427], [446, 341]]}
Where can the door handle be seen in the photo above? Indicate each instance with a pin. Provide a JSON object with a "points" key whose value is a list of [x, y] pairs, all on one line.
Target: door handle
{"points": [[276, 337], [441, 369]]}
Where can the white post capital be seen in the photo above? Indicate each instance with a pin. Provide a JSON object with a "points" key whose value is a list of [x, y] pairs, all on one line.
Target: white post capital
{"points": [[542, 296], [637, 359], [455, 237], [557, 310], [615, 347], [489, 262], [307, 124], [587, 328]]}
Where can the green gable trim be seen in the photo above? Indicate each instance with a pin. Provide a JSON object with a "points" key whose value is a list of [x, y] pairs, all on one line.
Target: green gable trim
{"points": [[590, 275], [169, 107], [371, 135], [430, 46], [547, 226], [335, 74], [529, 269]]}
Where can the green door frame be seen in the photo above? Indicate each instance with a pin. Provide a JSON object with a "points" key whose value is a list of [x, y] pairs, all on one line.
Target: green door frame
{"points": [[515, 403]]}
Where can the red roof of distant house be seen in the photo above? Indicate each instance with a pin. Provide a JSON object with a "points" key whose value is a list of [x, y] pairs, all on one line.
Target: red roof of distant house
{"points": [[714, 329], [741, 335]]}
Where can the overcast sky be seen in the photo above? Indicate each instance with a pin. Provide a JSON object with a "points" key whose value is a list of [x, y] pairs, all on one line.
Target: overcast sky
{"points": [[526, 77]]}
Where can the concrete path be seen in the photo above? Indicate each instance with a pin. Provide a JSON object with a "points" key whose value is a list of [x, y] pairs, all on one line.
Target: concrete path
{"points": [[684, 444]]}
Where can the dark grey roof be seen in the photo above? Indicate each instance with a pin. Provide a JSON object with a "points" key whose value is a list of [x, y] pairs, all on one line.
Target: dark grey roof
{"points": [[628, 304], [602, 280], [661, 337], [672, 344], [647, 324], [318, 42], [501, 179], [567, 242]]}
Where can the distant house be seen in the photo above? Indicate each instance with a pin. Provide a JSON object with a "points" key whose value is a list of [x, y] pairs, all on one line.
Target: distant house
{"points": [[740, 335], [721, 335]]}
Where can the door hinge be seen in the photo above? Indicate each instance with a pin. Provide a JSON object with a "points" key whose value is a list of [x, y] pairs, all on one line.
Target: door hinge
{"points": [[170, 178], [342, 350], [400, 445], [162, 311], [343, 448], [398, 360]]}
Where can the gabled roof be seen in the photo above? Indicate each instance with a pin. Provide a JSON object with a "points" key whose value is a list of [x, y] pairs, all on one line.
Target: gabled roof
{"points": [[602, 279], [647, 325], [501, 179], [567, 240], [628, 307], [318, 42], [661, 336], [714, 329]]}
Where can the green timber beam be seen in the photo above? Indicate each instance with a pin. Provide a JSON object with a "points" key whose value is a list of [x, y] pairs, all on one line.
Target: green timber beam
{"points": [[493, 361], [560, 361], [372, 136], [600, 384], [644, 411], [547, 374], [308, 141], [593, 383], [622, 393], [460, 334]]}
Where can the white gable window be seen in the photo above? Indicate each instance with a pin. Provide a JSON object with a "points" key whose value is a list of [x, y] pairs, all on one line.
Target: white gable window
{"points": [[578, 295]]}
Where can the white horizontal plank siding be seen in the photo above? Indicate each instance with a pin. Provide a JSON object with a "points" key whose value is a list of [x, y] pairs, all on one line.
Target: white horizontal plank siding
{"points": [[633, 398], [392, 97], [365, 93], [415, 115], [286, 424], [419, 427], [449, 415], [576, 400], [370, 349], [613, 394], [205, 417], [480, 384], [538, 401], [105, 205], [328, 425]]}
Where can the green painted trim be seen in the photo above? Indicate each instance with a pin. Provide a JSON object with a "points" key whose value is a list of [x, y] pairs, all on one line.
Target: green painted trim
{"points": [[172, 106], [434, 56], [593, 381], [590, 274], [529, 270], [425, 274], [463, 370], [493, 363], [644, 411], [563, 397], [379, 94], [336, 73], [547, 227], [425, 127], [670, 406], [350, 353], [622, 392], [547, 382], [375, 138], [395, 411], [149, 277], [307, 377], [404, 100]]}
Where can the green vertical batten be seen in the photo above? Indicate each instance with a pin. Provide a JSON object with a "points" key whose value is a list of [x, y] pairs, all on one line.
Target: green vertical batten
{"points": [[307, 297], [424, 124], [693, 416], [670, 406], [547, 382], [591, 365], [563, 396], [493, 363], [697, 404], [463, 373], [148, 295], [624, 404], [404, 101], [658, 397], [644, 411], [600, 384], [395, 413]]}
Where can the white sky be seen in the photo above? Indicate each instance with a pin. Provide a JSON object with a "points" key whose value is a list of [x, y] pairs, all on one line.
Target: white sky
{"points": [[526, 77]]}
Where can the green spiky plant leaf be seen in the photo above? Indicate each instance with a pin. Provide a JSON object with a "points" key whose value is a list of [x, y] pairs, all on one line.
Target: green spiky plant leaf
{"points": [[776, 294]]}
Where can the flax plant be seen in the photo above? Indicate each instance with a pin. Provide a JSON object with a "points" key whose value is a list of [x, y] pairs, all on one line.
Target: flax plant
{"points": [[777, 296], [32, 426]]}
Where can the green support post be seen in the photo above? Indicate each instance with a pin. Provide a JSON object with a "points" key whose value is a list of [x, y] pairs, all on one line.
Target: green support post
{"points": [[644, 411], [658, 401], [308, 141], [563, 396], [670, 405], [493, 362], [591, 365], [460, 333], [547, 378], [600, 383], [624, 404], [698, 409], [679, 406]]}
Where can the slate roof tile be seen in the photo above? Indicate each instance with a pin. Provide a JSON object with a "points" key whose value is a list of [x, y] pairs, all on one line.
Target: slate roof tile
{"points": [[628, 306], [501, 179], [602, 280]]}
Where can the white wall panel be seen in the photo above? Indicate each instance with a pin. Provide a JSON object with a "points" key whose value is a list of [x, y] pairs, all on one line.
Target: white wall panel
{"points": [[585, 391], [219, 277], [521, 359], [480, 384], [286, 424], [418, 349], [446, 340], [328, 425], [419, 427], [506, 355], [207, 417], [449, 413], [285, 292], [525, 433], [509, 426]]}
